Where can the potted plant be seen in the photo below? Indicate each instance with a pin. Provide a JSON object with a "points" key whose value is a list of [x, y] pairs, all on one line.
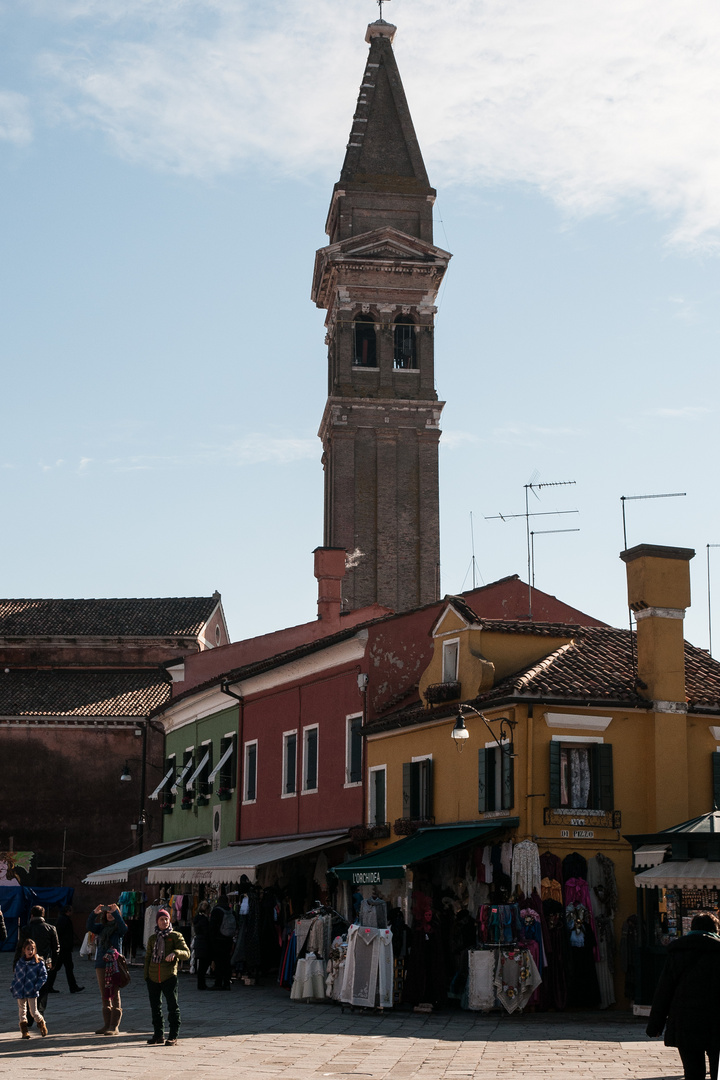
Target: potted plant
{"points": [[224, 793], [202, 800], [187, 802], [167, 807]]}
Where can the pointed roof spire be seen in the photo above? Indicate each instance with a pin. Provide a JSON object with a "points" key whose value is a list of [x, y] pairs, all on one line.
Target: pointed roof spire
{"points": [[383, 152]]}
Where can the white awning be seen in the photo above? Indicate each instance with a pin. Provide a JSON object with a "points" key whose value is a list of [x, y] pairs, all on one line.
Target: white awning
{"points": [[693, 874], [162, 783], [229, 864], [199, 769], [118, 872], [650, 855], [221, 762], [181, 777]]}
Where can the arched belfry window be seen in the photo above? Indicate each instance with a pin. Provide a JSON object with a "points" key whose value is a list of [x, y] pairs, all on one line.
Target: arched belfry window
{"points": [[364, 342], [404, 345]]}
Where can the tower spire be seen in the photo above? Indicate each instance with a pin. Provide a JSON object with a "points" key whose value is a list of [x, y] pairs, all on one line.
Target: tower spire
{"points": [[378, 279]]}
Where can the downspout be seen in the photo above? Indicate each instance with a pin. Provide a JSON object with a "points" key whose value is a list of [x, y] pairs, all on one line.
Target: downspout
{"points": [[239, 772], [529, 778]]}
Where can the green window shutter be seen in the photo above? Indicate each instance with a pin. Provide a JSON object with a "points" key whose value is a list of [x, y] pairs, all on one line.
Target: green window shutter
{"points": [[508, 779], [426, 788], [716, 779], [603, 777], [482, 781], [407, 789], [554, 774]]}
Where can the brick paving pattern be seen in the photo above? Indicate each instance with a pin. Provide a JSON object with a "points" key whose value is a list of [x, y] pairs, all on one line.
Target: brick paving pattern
{"points": [[257, 1033]]}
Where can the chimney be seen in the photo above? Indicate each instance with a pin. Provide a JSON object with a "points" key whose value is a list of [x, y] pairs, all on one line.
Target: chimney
{"points": [[330, 571], [658, 593]]}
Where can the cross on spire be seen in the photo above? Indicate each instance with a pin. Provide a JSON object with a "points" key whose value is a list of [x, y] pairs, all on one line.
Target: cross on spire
{"points": [[380, 4]]}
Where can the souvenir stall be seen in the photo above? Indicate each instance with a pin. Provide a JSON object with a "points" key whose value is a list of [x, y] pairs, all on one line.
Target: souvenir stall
{"points": [[481, 923], [677, 877]]}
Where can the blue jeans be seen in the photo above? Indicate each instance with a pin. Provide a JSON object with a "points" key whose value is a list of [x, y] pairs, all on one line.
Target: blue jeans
{"points": [[169, 988]]}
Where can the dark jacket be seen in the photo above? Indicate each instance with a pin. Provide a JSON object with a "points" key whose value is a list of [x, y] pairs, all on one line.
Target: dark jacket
{"points": [[687, 999], [45, 938], [113, 939], [65, 933], [201, 926]]}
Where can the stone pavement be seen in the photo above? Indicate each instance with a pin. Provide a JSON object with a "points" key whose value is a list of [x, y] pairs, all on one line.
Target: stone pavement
{"points": [[257, 1033]]}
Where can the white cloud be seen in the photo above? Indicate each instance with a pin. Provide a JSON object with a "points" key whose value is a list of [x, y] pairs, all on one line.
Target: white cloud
{"points": [[682, 412], [15, 123], [252, 449], [595, 104]]}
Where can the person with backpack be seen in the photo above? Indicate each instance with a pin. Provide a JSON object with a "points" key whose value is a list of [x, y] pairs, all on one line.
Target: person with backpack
{"points": [[165, 949], [223, 928]]}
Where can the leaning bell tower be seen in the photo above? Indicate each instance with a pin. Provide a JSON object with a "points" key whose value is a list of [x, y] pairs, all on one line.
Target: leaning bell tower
{"points": [[378, 278]]}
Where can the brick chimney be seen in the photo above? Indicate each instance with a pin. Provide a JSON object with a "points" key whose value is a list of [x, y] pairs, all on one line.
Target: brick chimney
{"points": [[658, 593], [330, 571]]}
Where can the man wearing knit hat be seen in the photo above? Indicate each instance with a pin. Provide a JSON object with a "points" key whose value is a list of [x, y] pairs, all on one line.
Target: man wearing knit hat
{"points": [[165, 949]]}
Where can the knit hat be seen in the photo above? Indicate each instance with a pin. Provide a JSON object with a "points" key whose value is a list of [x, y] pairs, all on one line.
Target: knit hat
{"points": [[162, 911]]}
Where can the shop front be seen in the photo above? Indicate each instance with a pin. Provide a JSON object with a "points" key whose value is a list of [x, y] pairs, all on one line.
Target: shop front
{"points": [[677, 877]]}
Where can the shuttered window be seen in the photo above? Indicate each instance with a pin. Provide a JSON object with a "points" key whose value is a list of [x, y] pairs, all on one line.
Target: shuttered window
{"points": [[496, 788], [581, 777], [417, 789]]}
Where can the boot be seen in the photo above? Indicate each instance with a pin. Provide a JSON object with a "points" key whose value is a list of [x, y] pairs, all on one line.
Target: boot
{"points": [[42, 1026], [114, 1025], [107, 1018], [24, 1029]]}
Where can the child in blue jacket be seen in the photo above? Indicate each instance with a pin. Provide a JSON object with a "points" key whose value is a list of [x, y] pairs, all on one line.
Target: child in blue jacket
{"points": [[29, 976]]}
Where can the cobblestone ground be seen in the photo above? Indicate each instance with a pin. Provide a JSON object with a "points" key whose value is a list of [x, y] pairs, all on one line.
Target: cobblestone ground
{"points": [[256, 1033]]}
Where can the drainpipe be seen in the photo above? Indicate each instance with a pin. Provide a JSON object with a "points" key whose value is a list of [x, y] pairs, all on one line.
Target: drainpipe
{"points": [[225, 689]]}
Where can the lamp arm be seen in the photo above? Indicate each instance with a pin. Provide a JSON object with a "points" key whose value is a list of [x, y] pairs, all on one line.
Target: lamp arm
{"points": [[503, 720]]}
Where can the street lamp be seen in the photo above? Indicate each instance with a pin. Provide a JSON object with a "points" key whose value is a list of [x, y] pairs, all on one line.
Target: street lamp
{"points": [[126, 775], [459, 733]]}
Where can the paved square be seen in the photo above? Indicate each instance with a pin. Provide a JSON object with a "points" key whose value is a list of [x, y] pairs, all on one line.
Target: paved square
{"points": [[257, 1033]]}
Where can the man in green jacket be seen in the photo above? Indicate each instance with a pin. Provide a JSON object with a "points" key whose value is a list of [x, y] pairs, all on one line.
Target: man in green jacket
{"points": [[164, 951]]}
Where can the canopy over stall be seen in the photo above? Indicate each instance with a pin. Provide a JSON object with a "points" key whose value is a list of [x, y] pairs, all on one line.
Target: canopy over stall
{"points": [[693, 874], [231, 863], [118, 872], [393, 860]]}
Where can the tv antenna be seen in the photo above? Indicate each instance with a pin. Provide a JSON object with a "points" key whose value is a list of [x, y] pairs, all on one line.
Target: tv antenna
{"points": [[473, 561], [708, 546], [634, 498], [534, 488], [543, 532]]}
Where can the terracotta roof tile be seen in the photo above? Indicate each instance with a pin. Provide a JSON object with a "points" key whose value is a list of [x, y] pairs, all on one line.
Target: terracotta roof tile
{"points": [[181, 616], [76, 693]]}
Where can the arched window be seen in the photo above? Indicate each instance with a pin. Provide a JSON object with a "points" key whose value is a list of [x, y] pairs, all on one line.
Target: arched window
{"points": [[404, 351], [364, 344]]}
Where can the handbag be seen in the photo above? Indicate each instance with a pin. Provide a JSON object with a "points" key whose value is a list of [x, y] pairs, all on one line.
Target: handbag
{"points": [[123, 972]]}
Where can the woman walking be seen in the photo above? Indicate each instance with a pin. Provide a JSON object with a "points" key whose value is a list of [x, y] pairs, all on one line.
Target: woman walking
{"points": [[165, 949], [687, 999], [201, 943], [29, 977], [108, 925]]}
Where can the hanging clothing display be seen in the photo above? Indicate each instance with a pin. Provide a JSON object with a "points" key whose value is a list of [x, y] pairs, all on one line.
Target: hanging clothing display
{"points": [[507, 976], [481, 980], [309, 981], [526, 874], [583, 988], [368, 978], [603, 896]]}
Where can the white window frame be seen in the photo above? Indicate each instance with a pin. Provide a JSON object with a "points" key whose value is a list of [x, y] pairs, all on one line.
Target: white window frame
{"points": [[305, 790], [348, 751], [245, 800], [283, 793], [498, 772], [445, 650], [371, 793]]}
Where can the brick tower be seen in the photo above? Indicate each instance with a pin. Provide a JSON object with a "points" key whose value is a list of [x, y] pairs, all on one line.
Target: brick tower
{"points": [[378, 278]]}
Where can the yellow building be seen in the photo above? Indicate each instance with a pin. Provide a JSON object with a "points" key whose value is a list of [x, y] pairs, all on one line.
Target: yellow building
{"points": [[570, 737]]}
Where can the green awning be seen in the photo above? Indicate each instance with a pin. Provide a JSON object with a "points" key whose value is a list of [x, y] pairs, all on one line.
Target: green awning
{"points": [[393, 860]]}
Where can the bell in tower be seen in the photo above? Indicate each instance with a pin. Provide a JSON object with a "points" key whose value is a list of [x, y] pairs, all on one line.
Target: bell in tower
{"points": [[378, 278]]}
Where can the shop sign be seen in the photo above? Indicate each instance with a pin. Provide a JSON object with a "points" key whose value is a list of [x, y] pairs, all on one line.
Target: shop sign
{"points": [[366, 877], [603, 819], [583, 834]]}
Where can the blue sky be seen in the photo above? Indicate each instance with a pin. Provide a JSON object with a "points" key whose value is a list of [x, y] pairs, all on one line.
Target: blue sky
{"points": [[166, 168]]}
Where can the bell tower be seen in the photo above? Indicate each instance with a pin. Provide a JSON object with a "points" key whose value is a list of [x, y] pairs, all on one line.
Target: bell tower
{"points": [[378, 278]]}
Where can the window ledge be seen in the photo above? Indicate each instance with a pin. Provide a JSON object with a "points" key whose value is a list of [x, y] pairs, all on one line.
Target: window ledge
{"points": [[288, 795], [249, 802], [352, 783], [309, 791]]}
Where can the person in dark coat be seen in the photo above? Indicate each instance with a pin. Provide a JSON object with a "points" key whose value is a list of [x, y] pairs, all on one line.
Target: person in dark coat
{"points": [[46, 941], [222, 932], [687, 999], [66, 939], [201, 943]]}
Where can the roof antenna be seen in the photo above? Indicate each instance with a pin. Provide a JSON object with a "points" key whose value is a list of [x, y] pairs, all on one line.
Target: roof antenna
{"points": [[534, 487]]}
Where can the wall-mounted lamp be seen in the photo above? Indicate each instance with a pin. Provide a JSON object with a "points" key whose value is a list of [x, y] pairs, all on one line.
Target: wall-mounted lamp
{"points": [[460, 732], [126, 775]]}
